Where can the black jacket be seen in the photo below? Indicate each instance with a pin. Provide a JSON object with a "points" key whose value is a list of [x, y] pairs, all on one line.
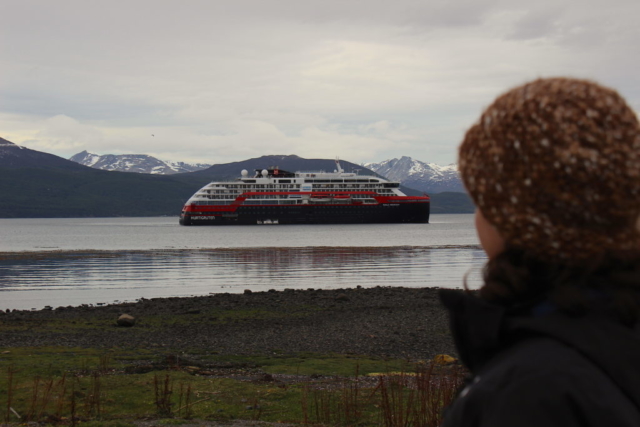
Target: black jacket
{"points": [[545, 370]]}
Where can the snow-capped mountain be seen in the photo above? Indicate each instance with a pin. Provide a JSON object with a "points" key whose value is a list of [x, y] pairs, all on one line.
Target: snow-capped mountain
{"points": [[140, 163], [427, 177]]}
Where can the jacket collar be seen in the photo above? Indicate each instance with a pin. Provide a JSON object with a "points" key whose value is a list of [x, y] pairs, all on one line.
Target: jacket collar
{"points": [[481, 329], [476, 327]]}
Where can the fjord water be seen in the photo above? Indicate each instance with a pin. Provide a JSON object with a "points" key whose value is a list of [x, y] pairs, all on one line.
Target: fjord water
{"points": [[60, 262]]}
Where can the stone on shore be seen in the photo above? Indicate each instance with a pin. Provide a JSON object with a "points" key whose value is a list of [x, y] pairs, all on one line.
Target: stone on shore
{"points": [[126, 321]]}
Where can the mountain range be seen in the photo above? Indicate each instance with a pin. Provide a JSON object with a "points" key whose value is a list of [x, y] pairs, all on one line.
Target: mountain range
{"points": [[35, 184], [429, 178], [140, 163]]}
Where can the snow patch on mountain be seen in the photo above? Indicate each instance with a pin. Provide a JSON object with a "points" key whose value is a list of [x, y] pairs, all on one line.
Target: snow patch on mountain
{"points": [[427, 177], [10, 145], [140, 163]]}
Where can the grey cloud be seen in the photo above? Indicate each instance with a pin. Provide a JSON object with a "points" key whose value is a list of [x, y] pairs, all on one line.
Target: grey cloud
{"points": [[239, 73], [47, 104], [535, 24]]}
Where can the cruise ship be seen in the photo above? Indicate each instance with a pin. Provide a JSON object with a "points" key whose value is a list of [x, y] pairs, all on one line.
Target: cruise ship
{"points": [[275, 196]]}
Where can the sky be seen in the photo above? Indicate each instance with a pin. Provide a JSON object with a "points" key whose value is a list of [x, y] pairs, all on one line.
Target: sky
{"points": [[221, 81]]}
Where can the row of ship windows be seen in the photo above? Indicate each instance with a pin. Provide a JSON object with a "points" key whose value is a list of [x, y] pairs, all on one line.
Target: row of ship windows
{"points": [[273, 196], [314, 181], [231, 192], [310, 181], [261, 202], [291, 187], [250, 186], [263, 209]]}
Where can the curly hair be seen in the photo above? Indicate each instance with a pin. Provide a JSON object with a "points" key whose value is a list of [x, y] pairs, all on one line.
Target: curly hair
{"points": [[520, 281]]}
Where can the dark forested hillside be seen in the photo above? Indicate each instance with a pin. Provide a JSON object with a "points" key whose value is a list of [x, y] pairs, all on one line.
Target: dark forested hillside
{"points": [[35, 184], [451, 202], [14, 156], [32, 193]]}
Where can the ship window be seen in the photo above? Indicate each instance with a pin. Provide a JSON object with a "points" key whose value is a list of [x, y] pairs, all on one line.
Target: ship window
{"points": [[285, 181]]}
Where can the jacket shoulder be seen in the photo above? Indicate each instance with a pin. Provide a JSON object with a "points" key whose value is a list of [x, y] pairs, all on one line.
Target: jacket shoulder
{"points": [[541, 381]]}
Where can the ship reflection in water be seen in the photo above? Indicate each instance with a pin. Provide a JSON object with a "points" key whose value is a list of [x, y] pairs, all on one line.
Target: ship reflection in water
{"points": [[60, 279]]}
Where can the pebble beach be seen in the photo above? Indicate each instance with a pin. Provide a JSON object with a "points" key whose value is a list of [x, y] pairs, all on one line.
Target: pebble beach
{"points": [[393, 322]]}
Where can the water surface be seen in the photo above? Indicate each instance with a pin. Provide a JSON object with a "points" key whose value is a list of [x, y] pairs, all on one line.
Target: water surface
{"points": [[164, 233], [61, 262]]}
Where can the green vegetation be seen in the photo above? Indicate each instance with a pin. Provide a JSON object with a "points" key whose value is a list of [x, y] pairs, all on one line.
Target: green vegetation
{"points": [[85, 386], [147, 322]]}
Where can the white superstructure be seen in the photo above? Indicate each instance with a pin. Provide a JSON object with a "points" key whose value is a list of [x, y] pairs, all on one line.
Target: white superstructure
{"points": [[273, 186]]}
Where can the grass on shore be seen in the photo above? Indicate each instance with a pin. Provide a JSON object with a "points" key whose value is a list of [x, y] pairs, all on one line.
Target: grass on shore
{"points": [[105, 321], [71, 386]]}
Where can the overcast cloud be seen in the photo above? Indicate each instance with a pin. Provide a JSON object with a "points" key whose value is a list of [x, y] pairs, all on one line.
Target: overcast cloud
{"points": [[221, 81]]}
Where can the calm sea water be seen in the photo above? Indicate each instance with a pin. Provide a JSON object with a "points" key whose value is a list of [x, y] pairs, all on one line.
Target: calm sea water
{"points": [[60, 262]]}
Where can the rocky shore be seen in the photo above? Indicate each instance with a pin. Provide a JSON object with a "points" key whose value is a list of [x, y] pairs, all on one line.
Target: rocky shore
{"points": [[393, 322]]}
